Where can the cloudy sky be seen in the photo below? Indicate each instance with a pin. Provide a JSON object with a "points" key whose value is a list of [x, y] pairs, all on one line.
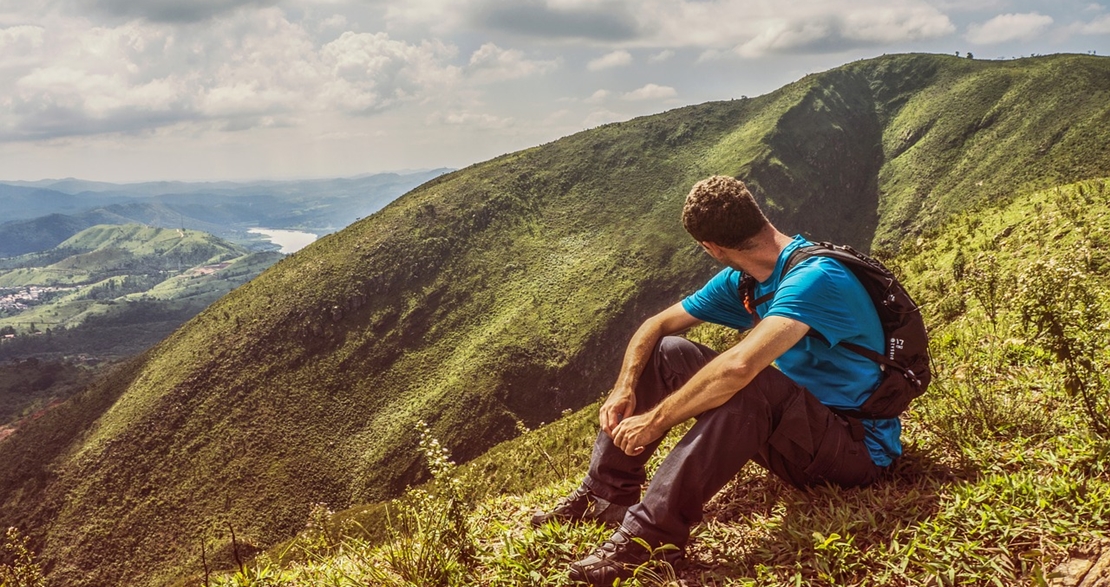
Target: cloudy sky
{"points": [[132, 90]]}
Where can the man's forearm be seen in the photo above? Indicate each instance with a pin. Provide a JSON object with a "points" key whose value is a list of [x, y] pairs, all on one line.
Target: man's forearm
{"points": [[713, 385], [621, 402], [637, 354], [730, 371], [710, 387]]}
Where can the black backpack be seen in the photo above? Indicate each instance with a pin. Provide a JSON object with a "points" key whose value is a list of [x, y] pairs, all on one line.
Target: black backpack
{"points": [[906, 363]]}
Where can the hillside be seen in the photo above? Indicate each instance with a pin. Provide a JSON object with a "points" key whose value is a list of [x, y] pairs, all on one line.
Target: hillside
{"points": [[1003, 477], [504, 292]]}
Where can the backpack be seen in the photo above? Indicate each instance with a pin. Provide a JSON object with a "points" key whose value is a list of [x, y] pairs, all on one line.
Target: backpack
{"points": [[906, 363]]}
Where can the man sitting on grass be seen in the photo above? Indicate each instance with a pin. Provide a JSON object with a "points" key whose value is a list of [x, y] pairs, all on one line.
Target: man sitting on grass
{"points": [[745, 408]]}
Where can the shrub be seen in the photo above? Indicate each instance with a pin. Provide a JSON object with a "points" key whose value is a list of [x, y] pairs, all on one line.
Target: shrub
{"points": [[17, 564], [1060, 303], [431, 542]]}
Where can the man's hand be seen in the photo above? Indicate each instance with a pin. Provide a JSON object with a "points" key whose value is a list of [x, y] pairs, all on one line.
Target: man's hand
{"points": [[634, 433], [619, 405]]}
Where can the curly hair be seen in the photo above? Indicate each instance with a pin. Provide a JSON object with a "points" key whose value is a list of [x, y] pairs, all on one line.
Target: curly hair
{"points": [[721, 210]]}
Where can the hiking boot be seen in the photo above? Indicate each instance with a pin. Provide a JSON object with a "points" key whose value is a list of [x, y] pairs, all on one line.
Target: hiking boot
{"points": [[617, 558], [582, 505]]}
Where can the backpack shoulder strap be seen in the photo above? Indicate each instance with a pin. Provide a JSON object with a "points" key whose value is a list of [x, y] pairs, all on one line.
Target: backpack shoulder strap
{"points": [[748, 283], [822, 249]]}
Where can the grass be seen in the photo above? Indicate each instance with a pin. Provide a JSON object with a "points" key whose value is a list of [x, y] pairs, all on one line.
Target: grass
{"points": [[1003, 478], [503, 293]]}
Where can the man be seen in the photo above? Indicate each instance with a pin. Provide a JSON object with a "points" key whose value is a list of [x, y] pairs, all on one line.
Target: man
{"points": [[745, 408]]}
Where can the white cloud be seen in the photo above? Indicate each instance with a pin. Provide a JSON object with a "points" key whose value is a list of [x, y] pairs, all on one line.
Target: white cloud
{"points": [[557, 115], [21, 38], [711, 55], [970, 5], [335, 21], [1008, 27], [756, 29], [249, 69], [877, 26], [438, 16], [888, 25], [651, 92], [615, 59], [782, 36], [367, 72], [600, 117], [745, 27], [1098, 26], [125, 72], [598, 97], [470, 119], [20, 45], [814, 26], [172, 11], [492, 63]]}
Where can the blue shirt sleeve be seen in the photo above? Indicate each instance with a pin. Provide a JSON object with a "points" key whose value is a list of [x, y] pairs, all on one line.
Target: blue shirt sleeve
{"points": [[718, 301]]}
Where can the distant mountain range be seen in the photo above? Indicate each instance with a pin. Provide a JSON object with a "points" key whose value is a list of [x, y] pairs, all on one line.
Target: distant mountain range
{"points": [[503, 294], [39, 215]]}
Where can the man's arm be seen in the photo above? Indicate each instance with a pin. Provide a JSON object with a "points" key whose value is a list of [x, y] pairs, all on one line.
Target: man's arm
{"points": [[621, 402], [714, 384]]}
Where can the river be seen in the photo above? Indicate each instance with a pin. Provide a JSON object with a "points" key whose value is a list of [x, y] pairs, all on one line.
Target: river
{"points": [[290, 241]]}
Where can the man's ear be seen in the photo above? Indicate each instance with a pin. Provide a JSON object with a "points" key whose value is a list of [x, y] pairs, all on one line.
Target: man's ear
{"points": [[712, 248]]}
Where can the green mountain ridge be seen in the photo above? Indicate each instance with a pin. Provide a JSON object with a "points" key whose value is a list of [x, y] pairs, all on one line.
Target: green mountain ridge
{"points": [[505, 292]]}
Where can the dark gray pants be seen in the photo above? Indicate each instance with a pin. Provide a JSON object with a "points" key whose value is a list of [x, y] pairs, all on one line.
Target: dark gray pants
{"points": [[773, 421]]}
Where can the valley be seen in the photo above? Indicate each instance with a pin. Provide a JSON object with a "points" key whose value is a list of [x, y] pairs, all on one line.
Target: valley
{"points": [[488, 308]]}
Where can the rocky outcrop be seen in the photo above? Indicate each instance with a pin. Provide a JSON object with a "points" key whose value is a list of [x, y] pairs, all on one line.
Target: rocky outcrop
{"points": [[1083, 571]]}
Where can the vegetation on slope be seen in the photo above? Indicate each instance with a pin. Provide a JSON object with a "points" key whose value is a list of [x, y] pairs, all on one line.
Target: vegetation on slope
{"points": [[142, 279], [981, 131], [29, 386], [1005, 474], [497, 294]]}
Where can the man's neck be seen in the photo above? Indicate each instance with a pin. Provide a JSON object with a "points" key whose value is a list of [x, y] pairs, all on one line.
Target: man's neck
{"points": [[760, 260]]}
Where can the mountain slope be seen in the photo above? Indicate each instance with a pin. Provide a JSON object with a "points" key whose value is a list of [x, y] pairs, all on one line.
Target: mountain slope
{"points": [[1003, 477], [504, 291], [987, 130]]}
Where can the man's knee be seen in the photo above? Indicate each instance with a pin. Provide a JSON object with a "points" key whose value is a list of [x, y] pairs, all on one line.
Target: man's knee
{"points": [[672, 363], [669, 345], [681, 357]]}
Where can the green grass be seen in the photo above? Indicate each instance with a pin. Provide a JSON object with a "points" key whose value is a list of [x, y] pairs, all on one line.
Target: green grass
{"points": [[1001, 480], [503, 293]]}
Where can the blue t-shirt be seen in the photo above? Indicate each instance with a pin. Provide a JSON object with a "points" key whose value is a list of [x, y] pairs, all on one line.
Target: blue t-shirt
{"points": [[826, 296]]}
